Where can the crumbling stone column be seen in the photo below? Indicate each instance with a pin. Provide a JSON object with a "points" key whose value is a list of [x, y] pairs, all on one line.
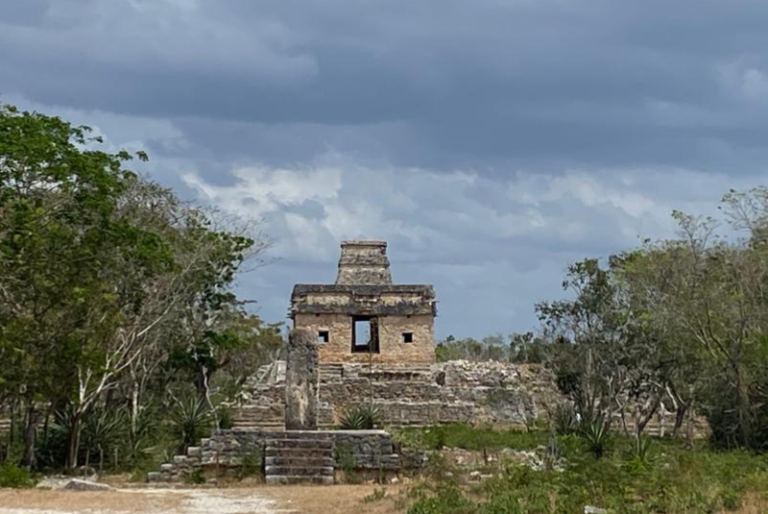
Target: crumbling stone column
{"points": [[301, 378]]}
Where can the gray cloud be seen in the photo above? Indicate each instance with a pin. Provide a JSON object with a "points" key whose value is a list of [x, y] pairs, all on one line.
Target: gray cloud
{"points": [[492, 142]]}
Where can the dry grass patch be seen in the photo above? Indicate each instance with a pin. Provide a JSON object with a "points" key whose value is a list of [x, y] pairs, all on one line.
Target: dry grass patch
{"points": [[337, 499], [72, 501]]}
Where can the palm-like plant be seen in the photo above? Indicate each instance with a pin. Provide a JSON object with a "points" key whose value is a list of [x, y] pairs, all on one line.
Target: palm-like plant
{"points": [[190, 420], [103, 430], [641, 455], [360, 417], [595, 432]]}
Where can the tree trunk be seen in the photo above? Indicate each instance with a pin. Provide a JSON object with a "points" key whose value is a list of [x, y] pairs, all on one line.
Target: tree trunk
{"points": [[742, 404], [134, 406], [30, 436], [682, 410], [74, 441], [643, 422]]}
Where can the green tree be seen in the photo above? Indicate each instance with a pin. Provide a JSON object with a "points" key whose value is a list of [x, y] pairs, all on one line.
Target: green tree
{"points": [[103, 275]]}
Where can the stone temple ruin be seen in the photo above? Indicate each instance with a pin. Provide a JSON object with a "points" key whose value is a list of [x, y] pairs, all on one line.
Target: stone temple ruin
{"points": [[362, 340], [363, 317]]}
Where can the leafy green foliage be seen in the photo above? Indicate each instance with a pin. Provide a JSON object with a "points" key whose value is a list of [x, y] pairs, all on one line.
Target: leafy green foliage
{"points": [[196, 477], [470, 438], [14, 476], [115, 298], [250, 464], [520, 348], [344, 457], [564, 420], [641, 456], [675, 480]]}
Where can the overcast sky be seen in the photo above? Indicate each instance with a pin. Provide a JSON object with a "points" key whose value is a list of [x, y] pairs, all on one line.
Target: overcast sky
{"points": [[490, 142]]}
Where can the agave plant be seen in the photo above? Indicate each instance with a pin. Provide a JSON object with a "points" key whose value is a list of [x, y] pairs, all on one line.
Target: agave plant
{"points": [[640, 456], [103, 430], [595, 433], [563, 419], [190, 421], [360, 417]]}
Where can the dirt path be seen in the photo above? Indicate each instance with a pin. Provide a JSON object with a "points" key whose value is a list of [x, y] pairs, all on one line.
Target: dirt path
{"points": [[144, 501], [340, 499]]}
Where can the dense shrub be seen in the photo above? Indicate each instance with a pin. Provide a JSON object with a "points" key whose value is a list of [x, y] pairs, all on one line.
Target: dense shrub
{"points": [[14, 476], [639, 477]]}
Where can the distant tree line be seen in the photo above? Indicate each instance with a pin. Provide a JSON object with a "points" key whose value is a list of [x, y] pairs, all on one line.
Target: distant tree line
{"points": [[682, 321], [679, 324], [120, 336], [519, 348]]}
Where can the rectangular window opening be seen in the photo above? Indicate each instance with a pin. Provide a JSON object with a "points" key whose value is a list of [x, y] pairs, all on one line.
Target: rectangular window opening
{"points": [[365, 334], [323, 336], [407, 337]]}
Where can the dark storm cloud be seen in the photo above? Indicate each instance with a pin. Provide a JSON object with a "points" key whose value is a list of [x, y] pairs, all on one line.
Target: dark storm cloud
{"points": [[471, 82], [492, 142]]}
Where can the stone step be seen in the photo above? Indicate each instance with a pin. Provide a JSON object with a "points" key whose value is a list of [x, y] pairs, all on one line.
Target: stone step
{"points": [[299, 461], [297, 453], [270, 427], [304, 435], [260, 410], [298, 471], [308, 444], [253, 423], [258, 421], [294, 479]]}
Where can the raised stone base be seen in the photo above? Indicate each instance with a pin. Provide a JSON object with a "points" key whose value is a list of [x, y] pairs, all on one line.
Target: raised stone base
{"points": [[311, 457], [408, 395]]}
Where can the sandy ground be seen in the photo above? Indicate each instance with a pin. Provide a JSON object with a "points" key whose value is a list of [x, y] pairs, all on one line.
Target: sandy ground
{"points": [[259, 500]]}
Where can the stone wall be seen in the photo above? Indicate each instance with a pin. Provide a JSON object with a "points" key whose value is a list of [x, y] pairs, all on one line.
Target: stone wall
{"points": [[420, 394], [392, 347], [226, 450], [494, 393]]}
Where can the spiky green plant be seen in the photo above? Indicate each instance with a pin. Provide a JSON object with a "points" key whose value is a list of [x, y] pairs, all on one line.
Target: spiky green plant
{"points": [[595, 433], [360, 417], [640, 457], [190, 420], [103, 430]]}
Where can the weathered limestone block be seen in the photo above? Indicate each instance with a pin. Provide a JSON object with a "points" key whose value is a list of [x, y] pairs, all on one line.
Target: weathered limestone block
{"points": [[301, 379]]}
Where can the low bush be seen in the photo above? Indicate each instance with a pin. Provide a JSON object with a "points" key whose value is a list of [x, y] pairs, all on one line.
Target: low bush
{"points": [[564, 420], [471, 438], [640, 476], [14, 476], [196, 477], [250, 465], [376, 495]]}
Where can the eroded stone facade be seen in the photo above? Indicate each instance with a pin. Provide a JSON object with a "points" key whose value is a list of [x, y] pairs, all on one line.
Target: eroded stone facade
{"points": [[413, 394], [397, 320]]}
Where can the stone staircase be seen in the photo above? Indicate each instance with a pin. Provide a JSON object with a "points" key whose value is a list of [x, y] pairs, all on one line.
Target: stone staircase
{"points": [[330, 371], [299, 458], [261, 417]]}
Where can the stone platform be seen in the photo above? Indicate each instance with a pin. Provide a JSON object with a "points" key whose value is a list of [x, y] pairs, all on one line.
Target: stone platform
{"points": [[410, 394], [287, 457]]}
